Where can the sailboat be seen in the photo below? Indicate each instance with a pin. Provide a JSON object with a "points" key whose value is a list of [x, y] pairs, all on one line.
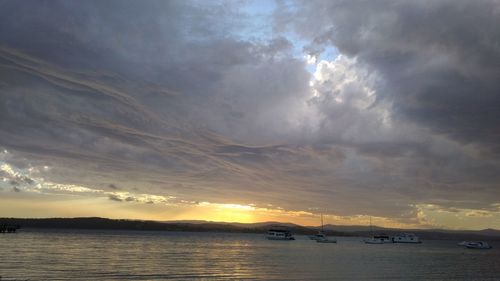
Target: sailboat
{"points": [[376, 239], [321, 234], [321, 237]]}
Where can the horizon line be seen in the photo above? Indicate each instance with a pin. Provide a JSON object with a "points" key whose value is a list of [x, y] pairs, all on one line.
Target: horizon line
{"points": [[247, 223]]}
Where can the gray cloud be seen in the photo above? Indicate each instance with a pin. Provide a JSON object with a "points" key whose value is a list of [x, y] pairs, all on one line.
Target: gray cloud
{"points": [[170, 98], [439, 68], [113, 197]]}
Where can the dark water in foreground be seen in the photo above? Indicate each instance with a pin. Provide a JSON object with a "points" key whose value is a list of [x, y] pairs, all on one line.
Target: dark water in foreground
{"points": [[129, 255]]}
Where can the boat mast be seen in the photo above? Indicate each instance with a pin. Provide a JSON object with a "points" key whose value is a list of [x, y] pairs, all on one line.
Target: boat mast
{"points": [[371, 230], [322, 222]]}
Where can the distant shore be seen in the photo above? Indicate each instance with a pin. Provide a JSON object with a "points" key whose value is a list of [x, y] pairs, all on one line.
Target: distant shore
{"points": [[202, 226]]}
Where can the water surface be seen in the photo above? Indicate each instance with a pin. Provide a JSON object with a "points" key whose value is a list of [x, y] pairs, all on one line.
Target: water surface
{"points": [[141, 255]]}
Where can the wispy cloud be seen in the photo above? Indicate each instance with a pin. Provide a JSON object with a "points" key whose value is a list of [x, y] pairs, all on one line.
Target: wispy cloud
{"points": [[158, 108]]}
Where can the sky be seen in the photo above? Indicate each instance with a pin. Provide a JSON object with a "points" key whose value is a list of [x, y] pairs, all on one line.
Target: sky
{"points": [[252, 111]]}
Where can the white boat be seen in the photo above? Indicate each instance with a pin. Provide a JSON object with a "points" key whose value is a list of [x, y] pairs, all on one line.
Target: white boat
{"points": [[373, 240], [377, 239], [406, 238], [318, 236], [279, 234], [321, 237], [327, 240], [477, 245], [384, 238]]}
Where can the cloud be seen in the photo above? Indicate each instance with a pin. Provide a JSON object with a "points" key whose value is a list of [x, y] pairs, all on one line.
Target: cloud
{"points": [[419, 106], [113, 197], [437, 68], [171, 109], [478, 214]]}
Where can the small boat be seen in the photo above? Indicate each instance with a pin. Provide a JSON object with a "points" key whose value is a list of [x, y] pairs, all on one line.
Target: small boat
{"points": [[373, 240], [279, 234], [318, 236], [5, 228], [406, 238], [377, 239], [321, 235], [477, 245], [327, 240]]}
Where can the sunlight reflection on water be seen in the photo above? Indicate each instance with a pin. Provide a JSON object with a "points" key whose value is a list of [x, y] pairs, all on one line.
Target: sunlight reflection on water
{"points": [[130, 255]]}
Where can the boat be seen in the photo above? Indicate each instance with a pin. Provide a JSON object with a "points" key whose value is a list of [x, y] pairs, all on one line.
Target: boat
{"points": [[377, 239], [327, 240], [406, 238], [477, 245], [317, 236], [384, 238], [279, 234], [5, 228], [373, 240], [320, 235]]}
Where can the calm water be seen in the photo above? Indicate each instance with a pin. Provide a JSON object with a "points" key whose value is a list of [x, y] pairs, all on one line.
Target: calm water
{"points": [[129, 255]]}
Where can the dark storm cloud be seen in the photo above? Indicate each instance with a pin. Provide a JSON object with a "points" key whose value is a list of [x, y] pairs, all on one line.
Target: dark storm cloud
{"points": [[94, 108], [439, 60], [167, 98], [435, 68], [144, 31]]}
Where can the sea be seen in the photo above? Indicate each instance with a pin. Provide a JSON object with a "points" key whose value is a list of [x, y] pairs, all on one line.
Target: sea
{"points": [[142, 255]]}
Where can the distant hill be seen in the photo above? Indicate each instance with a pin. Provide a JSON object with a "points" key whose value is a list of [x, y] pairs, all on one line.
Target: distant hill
{"points": [[261, 227], [490, 232], [352, 228], [122, 224]]}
